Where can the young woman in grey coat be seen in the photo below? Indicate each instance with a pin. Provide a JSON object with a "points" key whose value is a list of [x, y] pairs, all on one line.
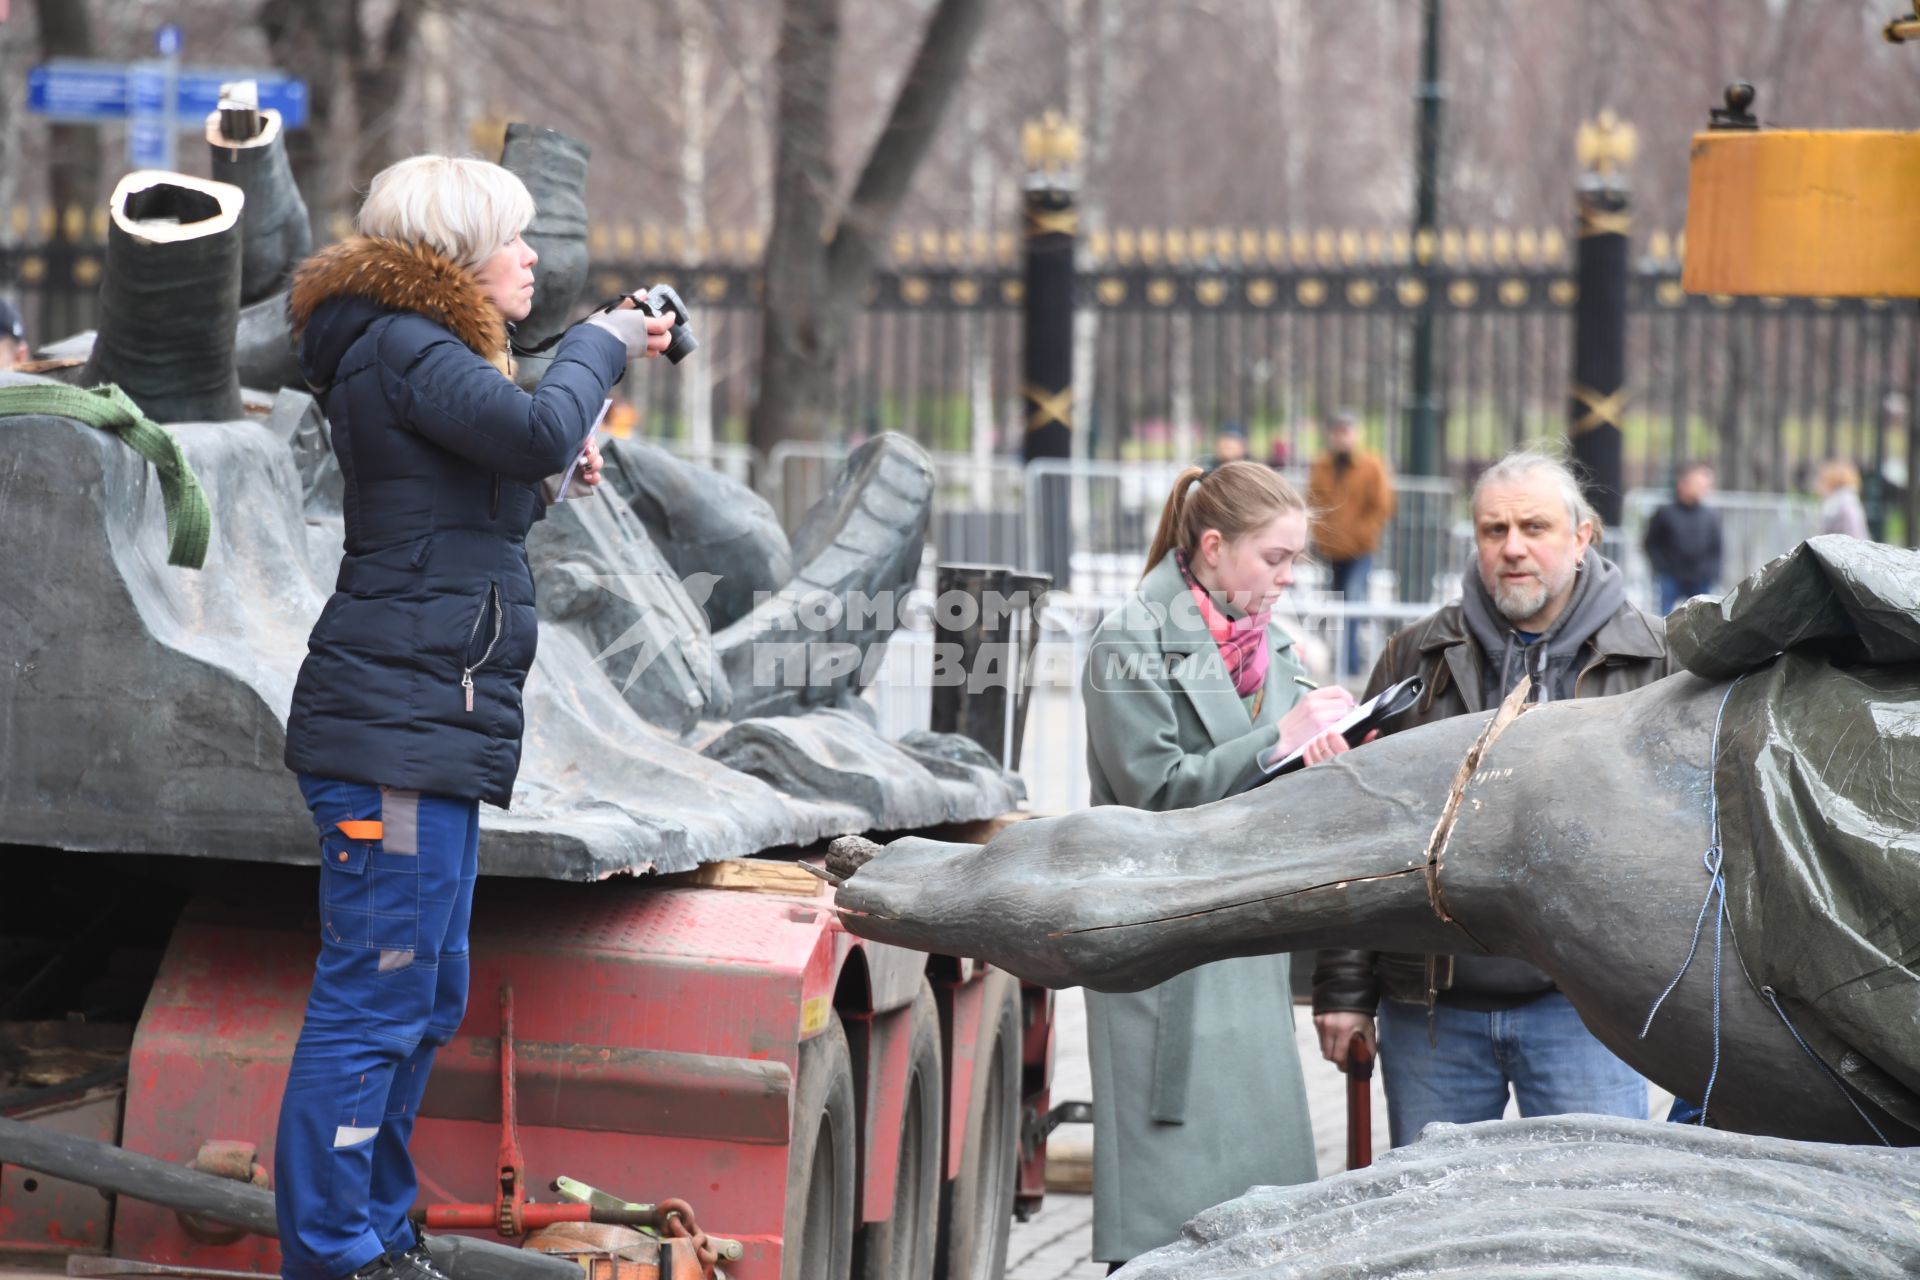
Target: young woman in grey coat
{"points": [[1188, 687]]}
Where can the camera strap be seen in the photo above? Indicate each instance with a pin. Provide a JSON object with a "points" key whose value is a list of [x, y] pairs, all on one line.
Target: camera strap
{"points": [[546, 344]]}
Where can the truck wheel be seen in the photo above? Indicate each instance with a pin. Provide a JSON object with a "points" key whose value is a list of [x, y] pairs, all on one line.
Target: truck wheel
{"points": [[817, 1241], [901, 1248], [976, 1208]]}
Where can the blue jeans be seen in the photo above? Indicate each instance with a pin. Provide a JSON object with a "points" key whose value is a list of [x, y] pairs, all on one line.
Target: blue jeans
{"points": [[1349, 579], [1673, 591], [389, 988], [1541, 1049]]}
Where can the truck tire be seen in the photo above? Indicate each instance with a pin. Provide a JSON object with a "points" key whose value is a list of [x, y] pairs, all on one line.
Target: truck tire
{"points": [[822, 1196], [902, 1247], [976, 1208]]}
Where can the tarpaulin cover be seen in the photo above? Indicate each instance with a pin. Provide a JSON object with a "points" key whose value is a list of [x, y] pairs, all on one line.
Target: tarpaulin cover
{"points": [[1819, 797]]}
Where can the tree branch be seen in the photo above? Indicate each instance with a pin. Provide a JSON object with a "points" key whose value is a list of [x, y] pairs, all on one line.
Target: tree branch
{"points": [[939, 65]]}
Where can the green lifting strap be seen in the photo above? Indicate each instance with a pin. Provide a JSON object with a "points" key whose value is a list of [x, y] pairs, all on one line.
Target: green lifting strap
{"points": [[189, 520]]}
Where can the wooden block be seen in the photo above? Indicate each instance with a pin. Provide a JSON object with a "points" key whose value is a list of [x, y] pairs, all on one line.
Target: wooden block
{"points": [[1070, 1162], [1799, 213], [751, 876]]}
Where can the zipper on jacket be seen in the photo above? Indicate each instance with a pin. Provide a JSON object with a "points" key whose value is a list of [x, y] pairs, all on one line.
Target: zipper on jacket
{"points": [[493, 503], [493, 602]]}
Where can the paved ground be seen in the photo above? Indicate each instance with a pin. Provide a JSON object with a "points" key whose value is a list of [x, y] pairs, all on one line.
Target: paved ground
{"points": [[1057, 1243]]}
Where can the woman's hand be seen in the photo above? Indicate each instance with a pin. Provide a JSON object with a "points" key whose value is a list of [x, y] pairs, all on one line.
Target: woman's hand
{"points": [[1310, 718], [1336, 1034], [645, 336], [590, 463]]}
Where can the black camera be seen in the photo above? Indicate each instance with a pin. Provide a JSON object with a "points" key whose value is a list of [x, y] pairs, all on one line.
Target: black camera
{"points": [[662, 300]]}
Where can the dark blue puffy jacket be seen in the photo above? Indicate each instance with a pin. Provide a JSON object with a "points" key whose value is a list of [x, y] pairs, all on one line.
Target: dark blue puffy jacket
{"points": [[414, 671]]}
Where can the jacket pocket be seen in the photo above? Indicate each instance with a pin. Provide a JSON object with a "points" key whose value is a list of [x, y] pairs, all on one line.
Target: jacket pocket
{"points": [[491, 620]]}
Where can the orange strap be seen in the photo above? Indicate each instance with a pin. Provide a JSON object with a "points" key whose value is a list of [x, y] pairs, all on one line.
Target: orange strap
{"points": [[360, 828]]}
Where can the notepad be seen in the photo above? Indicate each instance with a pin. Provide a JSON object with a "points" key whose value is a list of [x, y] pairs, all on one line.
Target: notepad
{"points": [[566, 478], [1359, 722]]}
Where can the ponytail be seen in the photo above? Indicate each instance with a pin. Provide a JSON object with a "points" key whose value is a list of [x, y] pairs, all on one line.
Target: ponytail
{"points": [[1172, 519], [1235, 497]]}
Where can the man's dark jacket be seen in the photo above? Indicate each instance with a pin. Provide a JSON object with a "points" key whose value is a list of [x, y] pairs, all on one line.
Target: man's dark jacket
{"points": [[1627, 651], [442, 457], [1683, 543]]}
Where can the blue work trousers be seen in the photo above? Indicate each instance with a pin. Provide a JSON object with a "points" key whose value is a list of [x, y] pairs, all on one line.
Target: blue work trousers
{"points": [[389, 988]]}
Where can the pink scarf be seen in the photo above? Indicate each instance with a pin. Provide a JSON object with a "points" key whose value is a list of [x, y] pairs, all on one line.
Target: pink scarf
{"points": [[1242, 641]]}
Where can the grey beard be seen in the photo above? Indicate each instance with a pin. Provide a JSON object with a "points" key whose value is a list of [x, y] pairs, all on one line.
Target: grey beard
{"points": [[1517, 604]]}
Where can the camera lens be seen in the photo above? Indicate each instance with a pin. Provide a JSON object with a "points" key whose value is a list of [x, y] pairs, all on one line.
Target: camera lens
{"points": [[681, 343]]}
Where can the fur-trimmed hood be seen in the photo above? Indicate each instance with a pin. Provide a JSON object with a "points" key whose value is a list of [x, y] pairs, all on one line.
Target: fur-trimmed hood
{"points": [[394, 275]]}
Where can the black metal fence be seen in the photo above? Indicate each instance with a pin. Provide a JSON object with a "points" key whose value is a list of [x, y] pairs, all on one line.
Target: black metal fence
{"points": [[1765, 388]]}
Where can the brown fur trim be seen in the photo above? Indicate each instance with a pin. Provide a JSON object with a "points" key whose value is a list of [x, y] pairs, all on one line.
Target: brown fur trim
{"points": [[404, 277]]}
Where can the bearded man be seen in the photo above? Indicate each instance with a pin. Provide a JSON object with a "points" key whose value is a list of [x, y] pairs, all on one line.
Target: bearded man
{"points": [[1456, 1033]]}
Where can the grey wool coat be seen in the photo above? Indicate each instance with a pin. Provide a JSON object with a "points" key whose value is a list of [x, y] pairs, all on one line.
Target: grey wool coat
{"points": [[1197, 1091]]}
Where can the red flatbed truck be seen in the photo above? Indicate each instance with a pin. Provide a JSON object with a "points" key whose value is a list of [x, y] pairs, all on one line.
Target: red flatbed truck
{"points": [[835, 1106]]}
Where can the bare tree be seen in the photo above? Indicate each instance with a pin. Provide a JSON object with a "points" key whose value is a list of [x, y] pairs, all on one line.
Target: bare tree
{"points": [[357, 77], [73, 151], [815, 281]]}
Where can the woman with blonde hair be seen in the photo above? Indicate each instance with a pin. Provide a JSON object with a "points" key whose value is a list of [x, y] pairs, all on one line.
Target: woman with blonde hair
{"points": [[1838, 488], [407, 713], [1189, 686]]}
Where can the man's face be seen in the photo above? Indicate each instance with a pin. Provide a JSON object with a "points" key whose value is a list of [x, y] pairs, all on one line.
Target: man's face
{"points": [[1695, 485], [1529, 549], [1230, 447], [1341, 437]]}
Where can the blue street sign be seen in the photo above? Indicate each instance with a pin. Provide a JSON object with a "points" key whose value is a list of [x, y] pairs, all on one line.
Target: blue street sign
{"points": [[149, 130], [78, 91], [166, 41], [198, 95], [86, 91]]}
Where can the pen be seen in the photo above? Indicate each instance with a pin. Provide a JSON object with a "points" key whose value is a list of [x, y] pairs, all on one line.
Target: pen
{"points": [[1305, 683]]}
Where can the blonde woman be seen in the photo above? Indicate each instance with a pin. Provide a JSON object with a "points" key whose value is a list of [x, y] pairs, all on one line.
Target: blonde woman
{"points": [[407, 711], [1188, 686], [1838, 488]]}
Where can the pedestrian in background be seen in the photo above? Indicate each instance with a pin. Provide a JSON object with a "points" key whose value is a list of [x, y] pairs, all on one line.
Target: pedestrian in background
{"points": [[1351, 494], [1229, 445], [1838, 488], [1457, 1033], [1189, 685], [1683, 539]]}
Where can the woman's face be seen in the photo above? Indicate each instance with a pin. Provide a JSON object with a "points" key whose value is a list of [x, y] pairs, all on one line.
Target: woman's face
{"points": [[507, 278], [1252, 570]]}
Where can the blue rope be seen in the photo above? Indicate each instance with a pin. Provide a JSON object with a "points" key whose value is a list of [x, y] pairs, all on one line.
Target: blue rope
{"points": [[1822, 1064], [1713, 859]]}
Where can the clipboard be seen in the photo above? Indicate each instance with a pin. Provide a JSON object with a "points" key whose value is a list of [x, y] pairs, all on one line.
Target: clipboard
{"points": [[566, 480], [1391, 701]]}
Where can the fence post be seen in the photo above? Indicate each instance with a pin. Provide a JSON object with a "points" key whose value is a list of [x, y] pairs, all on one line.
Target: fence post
{"points": [[1426, 424], [1597, 399], [1046, 364]]}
